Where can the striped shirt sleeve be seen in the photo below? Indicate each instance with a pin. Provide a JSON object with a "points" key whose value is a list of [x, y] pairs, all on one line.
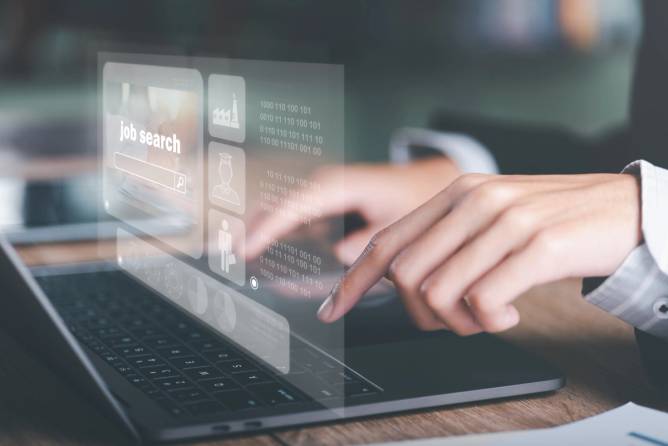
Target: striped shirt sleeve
{"points": [[638, 291]]}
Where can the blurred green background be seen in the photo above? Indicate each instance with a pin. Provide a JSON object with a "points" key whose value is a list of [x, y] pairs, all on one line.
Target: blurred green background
{"points": [[559, 62]]}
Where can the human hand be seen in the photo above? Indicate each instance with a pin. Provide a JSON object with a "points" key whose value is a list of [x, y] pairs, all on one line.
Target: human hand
{"points": [[380, 193], [460, 259]]}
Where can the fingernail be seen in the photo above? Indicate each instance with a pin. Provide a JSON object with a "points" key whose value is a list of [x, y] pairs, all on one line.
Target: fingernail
{"points": [[326, 309]]}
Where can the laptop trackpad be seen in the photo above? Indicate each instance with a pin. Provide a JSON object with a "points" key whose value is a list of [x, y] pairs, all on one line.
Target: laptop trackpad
{"points": [[384, 345], [381, 321]]}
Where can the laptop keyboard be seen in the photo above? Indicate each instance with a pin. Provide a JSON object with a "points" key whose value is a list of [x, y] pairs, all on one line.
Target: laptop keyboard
{"points": [[179, 364]]}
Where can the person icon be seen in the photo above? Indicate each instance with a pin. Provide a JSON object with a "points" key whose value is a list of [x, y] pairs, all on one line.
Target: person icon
{"points": [[227, 257], [224, 190]]}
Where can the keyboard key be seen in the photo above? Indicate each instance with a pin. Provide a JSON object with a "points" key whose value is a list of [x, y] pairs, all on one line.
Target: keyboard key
{"points": [[252, 378], [218, 384], [274, 394], [147, 332], [188, 395], [204, 408], [98, 348], [119, 312], [97, 323], [238, 399], [120, 341], [316, 388], [221, 355], [176, 382], [160, 341], [134, 322], [315, 362], [122, 368], [196, 336], [237, 366], [107, 332], [203, 373], [146, 361], [174, 352], [137, 380], [188, 362], [179, 326], [132, 350], [159, 372], [206, 345], [338, 377], [358, 388], [86, 313], [110, 357]]}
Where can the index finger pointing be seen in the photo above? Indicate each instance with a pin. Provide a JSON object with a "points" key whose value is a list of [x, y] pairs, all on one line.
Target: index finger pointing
{"points": [[374, 262], [330, 199]]}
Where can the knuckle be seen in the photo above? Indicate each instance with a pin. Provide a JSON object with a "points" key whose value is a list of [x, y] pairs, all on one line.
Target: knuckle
{"points": [[378, 244], [433, 297], [479, 302], [518, 218], [468, 181], [400, 273], [547, 243], [491, 193]]}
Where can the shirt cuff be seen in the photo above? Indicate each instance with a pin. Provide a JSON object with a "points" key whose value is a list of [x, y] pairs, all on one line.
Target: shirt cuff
{"points": [[654, 190], [638, 291], [467, 153]]}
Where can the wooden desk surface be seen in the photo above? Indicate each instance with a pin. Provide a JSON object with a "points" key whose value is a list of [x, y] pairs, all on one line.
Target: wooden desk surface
{"points": [[596, 351]]}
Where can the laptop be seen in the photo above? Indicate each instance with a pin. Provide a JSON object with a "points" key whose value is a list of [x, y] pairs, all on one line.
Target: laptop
{"points": [[178, 335]]}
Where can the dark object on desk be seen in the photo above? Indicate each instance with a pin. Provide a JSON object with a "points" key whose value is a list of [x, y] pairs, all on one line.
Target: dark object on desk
{"points": [[653, 351], [166, 372], [56, 137], [649, 135]]}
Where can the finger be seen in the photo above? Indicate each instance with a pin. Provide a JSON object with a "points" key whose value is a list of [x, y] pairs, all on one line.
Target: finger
{"points": [[474, 237], [415, 263], [501, 319], [541, 261], [456, 315], [381, 250], [350, 249], [271, 226], [477, 211], [509, 232]]}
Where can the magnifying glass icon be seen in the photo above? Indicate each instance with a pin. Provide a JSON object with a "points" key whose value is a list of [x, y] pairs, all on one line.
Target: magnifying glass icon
{"points": [[181, 184]]}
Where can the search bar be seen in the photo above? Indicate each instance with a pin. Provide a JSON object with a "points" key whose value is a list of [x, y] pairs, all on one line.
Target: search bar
{"points": [[152, 173]]}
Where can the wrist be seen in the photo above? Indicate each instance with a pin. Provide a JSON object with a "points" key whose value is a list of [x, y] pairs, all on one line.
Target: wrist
{"points": [[633, 201]]}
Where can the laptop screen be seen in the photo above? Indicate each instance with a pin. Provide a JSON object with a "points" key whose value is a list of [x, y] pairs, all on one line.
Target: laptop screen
{"points": [[197, 152]]}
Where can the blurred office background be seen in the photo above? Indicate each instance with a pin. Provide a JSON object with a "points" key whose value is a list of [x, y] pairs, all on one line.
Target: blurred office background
{"points": [[564, 63]]}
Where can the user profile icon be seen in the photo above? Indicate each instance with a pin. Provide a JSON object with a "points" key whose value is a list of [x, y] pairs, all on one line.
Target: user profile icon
{"points": [[227, 177], [227, 235]]}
